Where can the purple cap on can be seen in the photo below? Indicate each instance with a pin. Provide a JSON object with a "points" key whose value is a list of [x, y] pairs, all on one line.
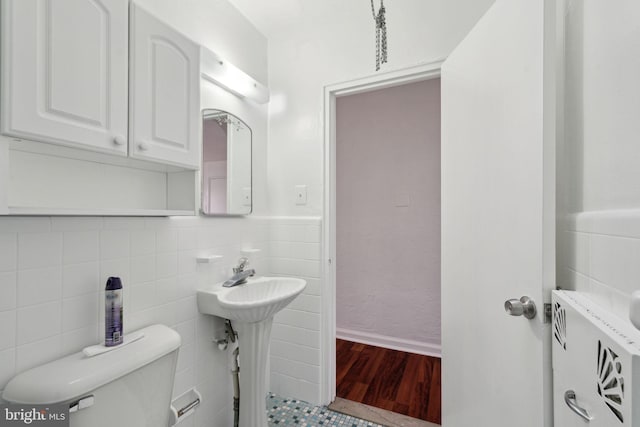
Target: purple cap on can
{"points": [[113, 283]]}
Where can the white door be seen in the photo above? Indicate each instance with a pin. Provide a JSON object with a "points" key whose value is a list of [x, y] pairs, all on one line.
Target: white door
{"points": [[165, 92], [64, 72], [498, 213]]}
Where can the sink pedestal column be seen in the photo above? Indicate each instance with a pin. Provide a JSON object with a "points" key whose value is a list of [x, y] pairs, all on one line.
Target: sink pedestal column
{"points": [[253, 339]]}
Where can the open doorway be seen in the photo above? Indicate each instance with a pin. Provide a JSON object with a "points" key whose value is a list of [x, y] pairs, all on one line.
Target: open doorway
{"points": [[387, 248]]}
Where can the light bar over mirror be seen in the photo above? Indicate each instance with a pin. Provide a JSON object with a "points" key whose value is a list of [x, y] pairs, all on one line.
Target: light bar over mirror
{"points": [[228, 76]]}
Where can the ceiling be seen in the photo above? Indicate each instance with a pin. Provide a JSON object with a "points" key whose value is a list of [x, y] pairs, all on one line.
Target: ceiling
{"points": [[272, 17]]}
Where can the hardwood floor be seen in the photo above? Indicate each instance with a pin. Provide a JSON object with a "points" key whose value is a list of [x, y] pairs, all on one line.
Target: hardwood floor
{"points": [[401, 382]]}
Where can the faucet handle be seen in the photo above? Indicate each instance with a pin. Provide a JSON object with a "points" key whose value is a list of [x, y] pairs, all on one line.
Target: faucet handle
{"points": [[242, 264]]}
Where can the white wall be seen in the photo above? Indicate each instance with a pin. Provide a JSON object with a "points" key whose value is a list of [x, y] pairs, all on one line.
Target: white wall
{"points": [[388, 217], [599, 239], [603, 102], [313, 44]]}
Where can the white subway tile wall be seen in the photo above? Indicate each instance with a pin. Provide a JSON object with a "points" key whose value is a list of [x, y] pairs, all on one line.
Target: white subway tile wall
{"points": [[8, 290], [52, 277], [36, 250], [30, 285], [79, 247], [599, 255], [295, 250], [9, 251]]}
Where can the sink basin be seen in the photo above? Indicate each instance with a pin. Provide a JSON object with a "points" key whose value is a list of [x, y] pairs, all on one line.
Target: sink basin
{"points": [[257, 300], [251, 307]]}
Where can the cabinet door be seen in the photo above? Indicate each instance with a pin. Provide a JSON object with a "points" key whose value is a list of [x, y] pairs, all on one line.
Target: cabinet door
{"points": [[165, 96], [64, 72]]}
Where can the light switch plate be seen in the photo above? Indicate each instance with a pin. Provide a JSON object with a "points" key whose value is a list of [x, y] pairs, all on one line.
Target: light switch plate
{"points": [[301, 195]]}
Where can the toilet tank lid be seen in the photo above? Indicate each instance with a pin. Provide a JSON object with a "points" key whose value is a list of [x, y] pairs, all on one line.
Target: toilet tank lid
{"points": [[76, 375]]}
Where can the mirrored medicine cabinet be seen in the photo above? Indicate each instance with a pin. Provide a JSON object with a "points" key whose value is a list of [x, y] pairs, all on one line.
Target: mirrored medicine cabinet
{"points": [[226, 164]]}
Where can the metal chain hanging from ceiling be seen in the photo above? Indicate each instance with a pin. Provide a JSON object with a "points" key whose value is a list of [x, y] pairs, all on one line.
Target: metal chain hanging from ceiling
{"points": [[381, 34]]}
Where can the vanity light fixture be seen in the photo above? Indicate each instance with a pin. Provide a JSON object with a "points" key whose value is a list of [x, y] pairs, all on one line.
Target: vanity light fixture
{"points": [[224, 74]]}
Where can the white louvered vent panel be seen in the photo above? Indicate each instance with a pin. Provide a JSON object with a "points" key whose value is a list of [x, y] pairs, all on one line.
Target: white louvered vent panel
{"points": [[595, 354]]}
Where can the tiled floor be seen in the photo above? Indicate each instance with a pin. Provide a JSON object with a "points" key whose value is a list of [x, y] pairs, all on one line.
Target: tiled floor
{"points": [[292, 412]]}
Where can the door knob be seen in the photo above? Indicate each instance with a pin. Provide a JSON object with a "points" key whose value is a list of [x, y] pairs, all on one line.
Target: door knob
{"points": [[143, 146], [521, 307]]}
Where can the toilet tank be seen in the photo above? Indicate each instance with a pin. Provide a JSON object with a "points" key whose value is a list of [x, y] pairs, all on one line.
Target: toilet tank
{"points": [[130, 386]]}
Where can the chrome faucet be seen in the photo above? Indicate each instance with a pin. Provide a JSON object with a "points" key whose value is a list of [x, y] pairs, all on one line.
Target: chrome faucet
{"points": [[240, 275]]}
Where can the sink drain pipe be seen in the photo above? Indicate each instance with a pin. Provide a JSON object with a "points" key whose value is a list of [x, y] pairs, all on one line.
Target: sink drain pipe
{"points": [[223, 344], [236, 387]]}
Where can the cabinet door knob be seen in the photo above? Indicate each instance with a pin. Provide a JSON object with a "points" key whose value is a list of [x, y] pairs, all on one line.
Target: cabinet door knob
{"points": [[119, 140], [143, 146]]}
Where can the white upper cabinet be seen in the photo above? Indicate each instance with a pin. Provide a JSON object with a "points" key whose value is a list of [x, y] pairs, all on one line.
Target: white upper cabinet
{"points": [[164, 112], [64, 72]]}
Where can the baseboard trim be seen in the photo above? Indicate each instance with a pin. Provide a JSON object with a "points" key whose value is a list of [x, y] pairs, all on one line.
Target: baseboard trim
{"points": [[417, 347]]}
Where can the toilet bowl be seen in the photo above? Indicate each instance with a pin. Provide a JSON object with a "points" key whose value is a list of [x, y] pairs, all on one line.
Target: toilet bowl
{"points": [[129, 386]]}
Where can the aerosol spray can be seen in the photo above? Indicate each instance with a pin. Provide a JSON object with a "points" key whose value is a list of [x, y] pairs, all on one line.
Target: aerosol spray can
{"points": [[113, 312]]}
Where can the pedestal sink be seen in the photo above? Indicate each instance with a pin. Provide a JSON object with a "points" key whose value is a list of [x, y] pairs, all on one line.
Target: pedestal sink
{"points": [[251, 307]]}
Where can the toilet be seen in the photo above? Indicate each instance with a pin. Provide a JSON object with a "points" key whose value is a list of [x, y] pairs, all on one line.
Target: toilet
{"points": [[129, 386]]}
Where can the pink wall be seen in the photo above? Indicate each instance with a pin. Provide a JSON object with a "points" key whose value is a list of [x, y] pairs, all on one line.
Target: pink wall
{"points": [[215, 142], [214, 167], [388, 216]]}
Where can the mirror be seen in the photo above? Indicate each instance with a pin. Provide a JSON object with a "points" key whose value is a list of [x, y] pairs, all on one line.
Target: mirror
{"points": [[226, 164]]}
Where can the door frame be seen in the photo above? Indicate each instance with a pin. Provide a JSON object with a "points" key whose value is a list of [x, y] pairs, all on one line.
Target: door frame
{"points": [[403, 76]]}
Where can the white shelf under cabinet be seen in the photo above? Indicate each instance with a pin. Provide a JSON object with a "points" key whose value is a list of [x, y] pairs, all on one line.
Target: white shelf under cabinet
{"points": [[44, 211], [41, 179]]}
